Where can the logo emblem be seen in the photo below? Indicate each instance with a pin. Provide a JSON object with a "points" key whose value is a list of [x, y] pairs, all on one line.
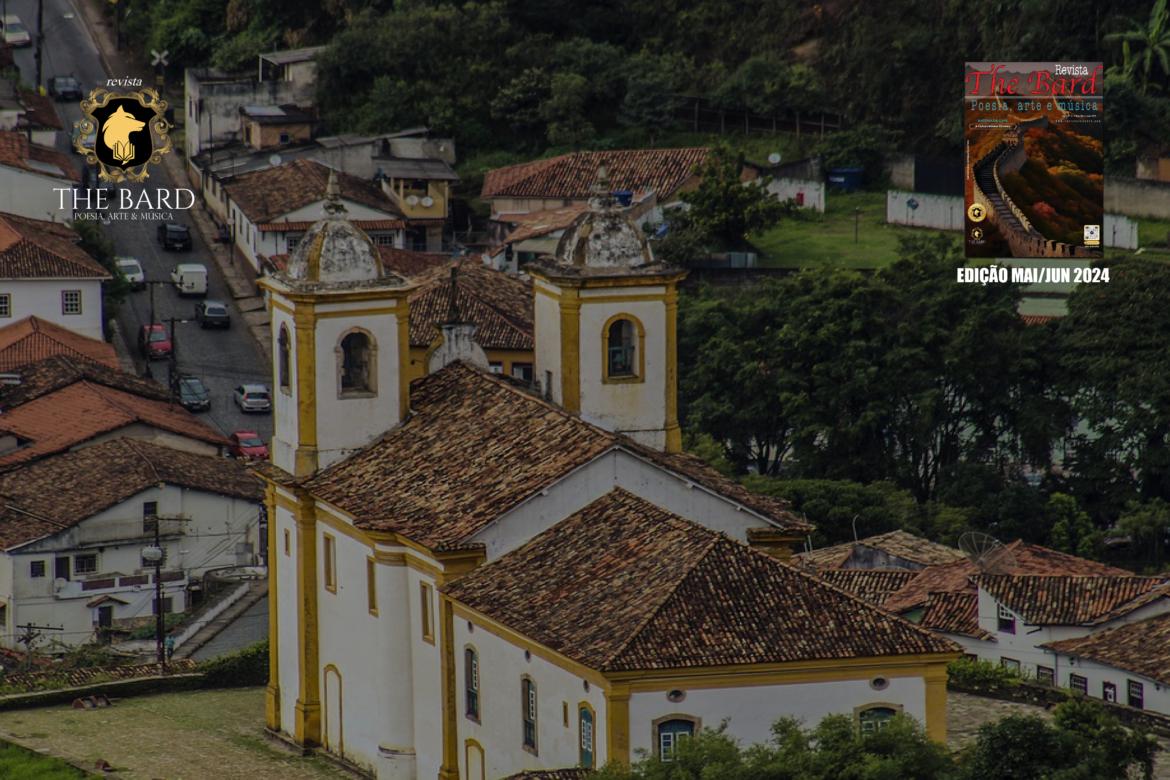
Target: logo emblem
{"points": [[977, 212], [121, 133], [1092, 235], [976, 234]]}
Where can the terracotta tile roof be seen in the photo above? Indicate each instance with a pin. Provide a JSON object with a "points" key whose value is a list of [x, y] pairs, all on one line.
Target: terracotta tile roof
{"points": [[1038, 319], [539, 223], [573, 175], [576, 773], [499, 304], [1047, 600], [54, 373], [1034, 559], [33, 339], [61, 491], [363, 224], [1141, 648], [39, 112], [676, 595], [873, 585], [953, 613], [77, 413], [16, 151], [265, 195], [36, 249], [952, 577], [476, 446], [904, 545]]}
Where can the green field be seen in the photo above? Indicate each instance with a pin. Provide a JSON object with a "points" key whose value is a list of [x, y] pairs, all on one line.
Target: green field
{"points": [[829, 239], [19, 764], [1152, 232]]}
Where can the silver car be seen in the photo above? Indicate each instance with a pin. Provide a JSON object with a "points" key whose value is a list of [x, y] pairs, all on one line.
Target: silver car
{"points": [[253, 398]]}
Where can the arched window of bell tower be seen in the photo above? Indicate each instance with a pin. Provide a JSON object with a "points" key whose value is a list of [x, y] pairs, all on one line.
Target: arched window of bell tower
{"points": [[357, 360], [623, 341], [284, 360]]}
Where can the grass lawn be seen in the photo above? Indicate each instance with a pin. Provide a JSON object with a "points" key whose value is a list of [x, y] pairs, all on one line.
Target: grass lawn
{"points": [[19, 764], [1152, 232], [193, 736], [828, 239]]}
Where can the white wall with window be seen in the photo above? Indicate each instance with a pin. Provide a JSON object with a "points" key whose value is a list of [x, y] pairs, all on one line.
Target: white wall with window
{"points": [[1109, 683], [658, 718], [75, 304], [57, 580], [524, 693]]}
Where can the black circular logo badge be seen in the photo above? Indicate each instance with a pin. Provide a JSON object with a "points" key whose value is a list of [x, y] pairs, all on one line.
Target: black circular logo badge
{"points": [[123, 133]]}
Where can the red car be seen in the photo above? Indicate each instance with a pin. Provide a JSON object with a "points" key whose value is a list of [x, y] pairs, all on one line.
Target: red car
{"points": [[154, 342], [246, 444]]}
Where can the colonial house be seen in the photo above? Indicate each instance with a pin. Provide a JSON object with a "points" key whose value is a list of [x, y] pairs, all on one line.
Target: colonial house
{"points": [[1129, 664], [73, 528], [32, 339], [269, 211], [64, 404], [43, 271], [499, 305], [29, 174], [558, 182], [527, 236], [475, 576], [31, 114]]}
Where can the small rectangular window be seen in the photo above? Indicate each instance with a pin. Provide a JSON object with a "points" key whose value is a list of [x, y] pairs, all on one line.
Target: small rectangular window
{"points": [[384, 239], [85, 564], [495, 366], [330, 559], [5, 306], [71, 301], [471, 682], [1078, 684], [522, 371], [1011, 664], [428, 621], [528, 708], [149, 517], [285, 138], [1007, 621], [1136, 693], [292, 243], [1109, 692], [372, 586], [36, 569], [287, 542], [1045, 675], [168, 606]]}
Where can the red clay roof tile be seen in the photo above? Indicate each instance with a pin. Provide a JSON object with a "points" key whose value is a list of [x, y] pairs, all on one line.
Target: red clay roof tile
{"points": [[33, 339], [572, 176]]}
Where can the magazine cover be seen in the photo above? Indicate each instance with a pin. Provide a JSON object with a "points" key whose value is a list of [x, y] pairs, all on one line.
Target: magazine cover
{"points": [[1034, 167]]}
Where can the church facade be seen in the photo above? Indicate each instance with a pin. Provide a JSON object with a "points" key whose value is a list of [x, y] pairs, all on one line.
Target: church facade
{"points": [[474, 576]]}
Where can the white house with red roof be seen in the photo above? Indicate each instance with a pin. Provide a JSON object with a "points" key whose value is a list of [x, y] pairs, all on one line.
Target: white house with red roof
{"points": [[44, 273], [31, 177]]}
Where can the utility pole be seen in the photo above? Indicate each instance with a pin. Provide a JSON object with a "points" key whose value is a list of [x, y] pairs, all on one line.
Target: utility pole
{"points": [[174, 359], [40, 41], [154, 555], [31, 634]]}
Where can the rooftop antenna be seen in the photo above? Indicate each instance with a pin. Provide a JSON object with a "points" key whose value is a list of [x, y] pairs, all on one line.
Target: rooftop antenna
{"points": [[988, 554]]}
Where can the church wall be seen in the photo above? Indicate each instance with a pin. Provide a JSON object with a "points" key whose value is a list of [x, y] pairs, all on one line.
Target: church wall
{"points": [[600, 476], [751, 710], [284, 601], [502, 666], [547, 323], [426, 674], [624, 405], [284, 404]]}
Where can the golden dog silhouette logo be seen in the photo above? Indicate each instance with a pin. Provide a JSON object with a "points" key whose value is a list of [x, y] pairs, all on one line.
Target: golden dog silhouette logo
{"points": [[129, 133]]}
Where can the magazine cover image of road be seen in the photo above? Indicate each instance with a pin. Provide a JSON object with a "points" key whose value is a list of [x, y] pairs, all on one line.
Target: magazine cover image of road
{"points": [[1033, 157]]}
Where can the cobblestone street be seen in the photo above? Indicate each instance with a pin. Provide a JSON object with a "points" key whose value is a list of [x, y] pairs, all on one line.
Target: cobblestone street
{"points": [[966, 713]]}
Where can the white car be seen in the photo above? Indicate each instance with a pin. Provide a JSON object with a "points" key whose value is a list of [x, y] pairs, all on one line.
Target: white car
{"points": [[131, 269], [252, 398], [15, 33]]}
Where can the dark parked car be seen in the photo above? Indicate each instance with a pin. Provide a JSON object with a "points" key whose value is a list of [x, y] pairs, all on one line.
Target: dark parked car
{"points": [[175, 237], [213, 314], [64, 88], [193, 394], [154, 342]]}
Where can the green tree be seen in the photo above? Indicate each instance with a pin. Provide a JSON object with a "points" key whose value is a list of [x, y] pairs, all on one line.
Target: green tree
{"points": [[98, 245], [839, 508], [520, 102], [1153, 41], [1072, 531], [1148, 525], [652, 95], [564, 111], [725, 208]]}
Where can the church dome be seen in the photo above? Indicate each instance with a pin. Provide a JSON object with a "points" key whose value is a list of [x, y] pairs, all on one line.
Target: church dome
{"points": [[333, 252], [603, 236]]}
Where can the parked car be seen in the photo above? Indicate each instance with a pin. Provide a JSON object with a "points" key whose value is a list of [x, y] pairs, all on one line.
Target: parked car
{"points": [[213, 314], [65, 88], [175, 237], [154, 342], [131, 270], [190, 278], [15, 33], [246, 444], [86, 143], [192, 393], [253, 398]]}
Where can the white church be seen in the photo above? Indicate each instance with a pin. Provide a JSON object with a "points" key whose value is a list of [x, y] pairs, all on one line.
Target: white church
{"points": [[475, 577]]}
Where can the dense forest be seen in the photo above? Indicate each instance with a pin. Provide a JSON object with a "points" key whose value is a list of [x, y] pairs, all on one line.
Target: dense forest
{"points": [[532, 74]]}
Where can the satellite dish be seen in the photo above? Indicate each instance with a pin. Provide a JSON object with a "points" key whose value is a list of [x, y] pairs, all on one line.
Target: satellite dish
{"points": [[59, 583], [275, 160], [774, 158], [412, 200], [988, 554], [428, 201]]}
